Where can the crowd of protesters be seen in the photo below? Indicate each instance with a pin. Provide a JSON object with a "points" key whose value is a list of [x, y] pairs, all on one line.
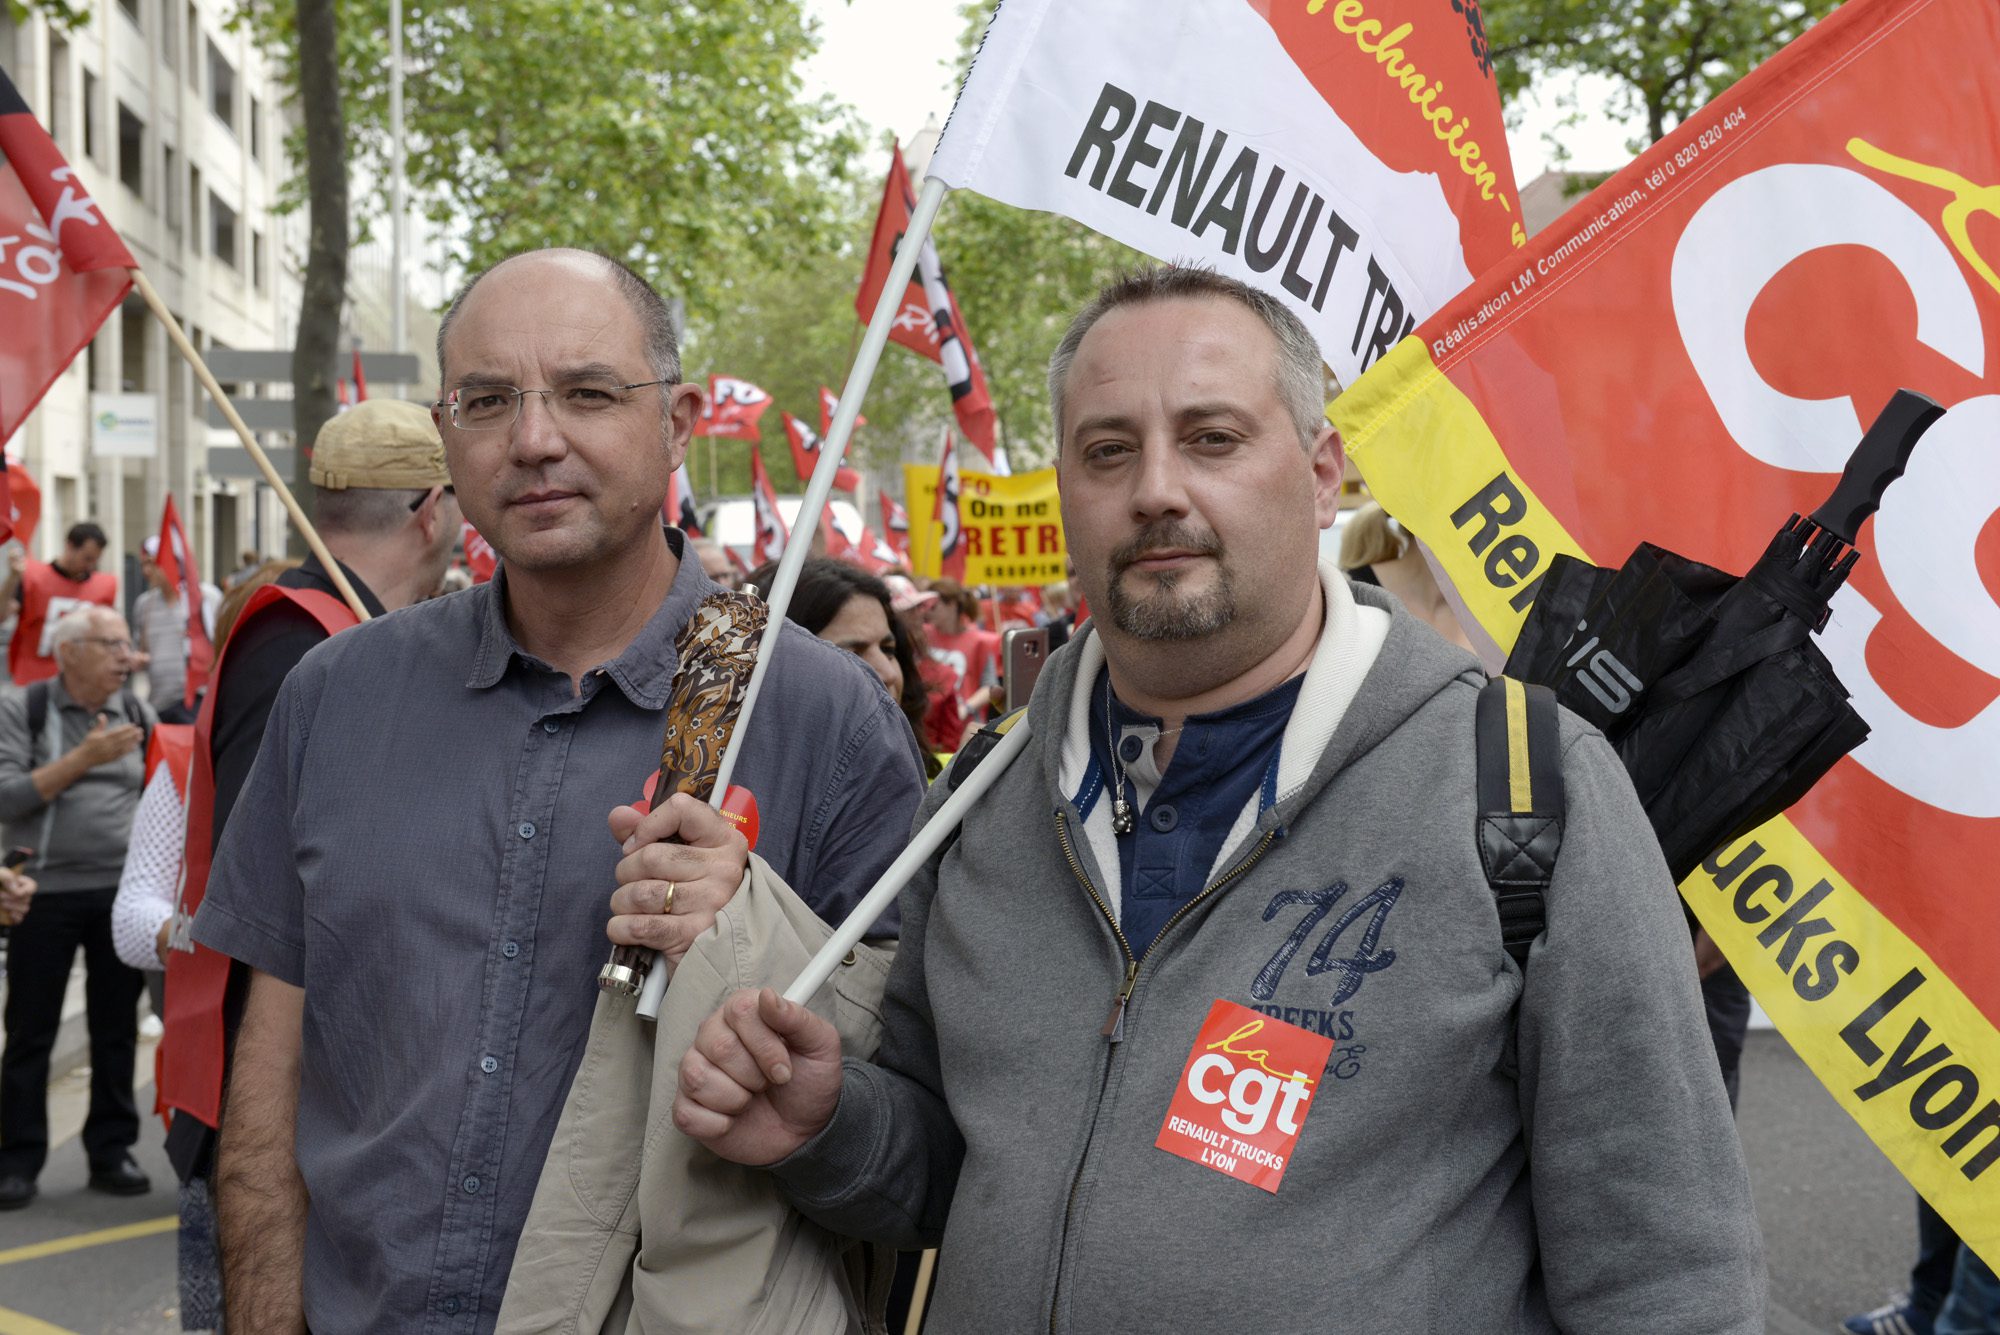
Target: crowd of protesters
{"points": [[358, 824]]}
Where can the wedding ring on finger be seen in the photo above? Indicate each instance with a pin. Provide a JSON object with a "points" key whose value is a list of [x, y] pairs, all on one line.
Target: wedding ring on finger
{"points": [[667, 904]]}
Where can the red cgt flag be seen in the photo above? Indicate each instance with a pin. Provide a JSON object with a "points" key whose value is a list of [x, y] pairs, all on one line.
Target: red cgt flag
{"points": [[771, 532], [480, 558], [680, 509], [732, 409], [929, 324], [360, 378], [20, 502], [951, 532], [829, 404], [805, 454], [895, 525], [175, 559], [62, 267], [1732, 307]]}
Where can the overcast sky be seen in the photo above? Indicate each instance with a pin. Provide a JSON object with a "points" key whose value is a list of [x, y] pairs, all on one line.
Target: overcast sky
{"points": [[892, 61]]}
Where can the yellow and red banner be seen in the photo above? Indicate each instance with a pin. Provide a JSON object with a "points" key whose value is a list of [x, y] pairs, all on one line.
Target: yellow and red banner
{"points": [[1687, 358], [1346, 156], [1010, 526]]}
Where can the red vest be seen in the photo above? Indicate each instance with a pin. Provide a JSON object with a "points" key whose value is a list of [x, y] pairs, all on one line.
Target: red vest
{"points": [[47, 593], [192, 1048]]}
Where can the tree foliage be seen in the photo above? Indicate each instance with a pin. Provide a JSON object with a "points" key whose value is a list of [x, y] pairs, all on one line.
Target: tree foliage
{"points": [[674, 134], [1667, 57]]}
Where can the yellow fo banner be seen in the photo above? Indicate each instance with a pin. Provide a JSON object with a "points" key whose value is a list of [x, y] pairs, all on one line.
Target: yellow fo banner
{"points": [[1012, 525]]}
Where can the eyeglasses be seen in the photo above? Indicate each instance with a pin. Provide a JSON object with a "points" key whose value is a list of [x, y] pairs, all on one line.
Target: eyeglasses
{"points": [[122, 648], [486, 407], [425, 495]]}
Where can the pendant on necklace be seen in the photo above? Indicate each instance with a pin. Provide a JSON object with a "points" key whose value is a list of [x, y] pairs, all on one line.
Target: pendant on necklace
{"points": [[1121, 816]]}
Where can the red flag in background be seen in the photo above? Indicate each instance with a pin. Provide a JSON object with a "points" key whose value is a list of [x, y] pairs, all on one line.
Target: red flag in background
{"points": [[874, 555], [62, 267], [771, 533], [895, 525], [480, 558], [732, 409], [680, 507], [175, 559], [951, 533], [805, 454], [22, 509], [342, 399], [929, 323], [7, 502], [360, 378], [829, 404]]}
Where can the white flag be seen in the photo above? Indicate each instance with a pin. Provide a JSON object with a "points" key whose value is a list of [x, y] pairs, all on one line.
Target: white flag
{"points": [[1348, 158]]}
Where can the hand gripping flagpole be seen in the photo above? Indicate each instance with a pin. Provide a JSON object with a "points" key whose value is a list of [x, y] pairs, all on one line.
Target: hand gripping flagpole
{"points": [[831, 453], [249, 442]]}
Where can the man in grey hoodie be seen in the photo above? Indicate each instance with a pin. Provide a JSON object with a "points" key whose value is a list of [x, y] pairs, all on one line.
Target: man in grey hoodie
{"points": [[1203, 1020]]}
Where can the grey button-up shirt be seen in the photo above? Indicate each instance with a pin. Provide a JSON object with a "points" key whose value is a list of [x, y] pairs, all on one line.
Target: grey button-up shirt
{"points": [[422, 846]]}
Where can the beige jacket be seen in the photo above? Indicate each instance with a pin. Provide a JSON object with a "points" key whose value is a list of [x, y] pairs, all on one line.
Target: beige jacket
{"points": [[634, 1227]]}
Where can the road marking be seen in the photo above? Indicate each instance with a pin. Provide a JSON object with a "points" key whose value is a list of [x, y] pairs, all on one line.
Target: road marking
{"points": [[20, 1323], [76, 1242]]}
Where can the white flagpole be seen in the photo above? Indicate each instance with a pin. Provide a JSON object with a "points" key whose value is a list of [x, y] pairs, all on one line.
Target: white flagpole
{"points": [[832, 451], [926, 843]]}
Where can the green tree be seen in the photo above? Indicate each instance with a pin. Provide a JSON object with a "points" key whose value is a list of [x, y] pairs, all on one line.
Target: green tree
{"points": [[674, 134], [1668, 57]]}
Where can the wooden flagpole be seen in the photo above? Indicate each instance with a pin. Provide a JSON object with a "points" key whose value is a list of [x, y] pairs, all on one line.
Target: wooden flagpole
{"points": [[249, 442]]}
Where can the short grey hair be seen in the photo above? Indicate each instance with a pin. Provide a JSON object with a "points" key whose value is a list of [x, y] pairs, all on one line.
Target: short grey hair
{"points": [[76, 624], [1301, 371], [656, 318], [363, 512]]}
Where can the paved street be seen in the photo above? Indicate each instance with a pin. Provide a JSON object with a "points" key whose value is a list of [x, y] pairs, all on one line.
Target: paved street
{"points": [[1838, 1222]]}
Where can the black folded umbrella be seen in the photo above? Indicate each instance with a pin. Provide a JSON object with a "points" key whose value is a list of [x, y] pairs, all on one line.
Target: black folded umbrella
{"points": [[1709, 685]]}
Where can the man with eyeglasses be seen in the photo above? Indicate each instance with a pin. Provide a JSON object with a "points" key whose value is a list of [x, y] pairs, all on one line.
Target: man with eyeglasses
{"points": [[72, 762], [382, 502], [419, 872]]}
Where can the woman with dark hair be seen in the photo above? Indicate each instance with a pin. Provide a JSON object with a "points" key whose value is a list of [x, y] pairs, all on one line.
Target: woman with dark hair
{"points": [[850, 607]]}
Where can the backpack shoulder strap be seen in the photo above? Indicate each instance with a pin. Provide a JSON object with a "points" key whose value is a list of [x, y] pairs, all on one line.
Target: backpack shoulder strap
{"points": [[38, 713], [138, 716], [1520, 804]]}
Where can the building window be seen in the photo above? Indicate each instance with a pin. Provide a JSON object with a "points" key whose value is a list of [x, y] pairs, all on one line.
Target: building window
{"points": [[193, 47], [170, 193], [92, 136], [59, 90], [256, 130], [194, 206], [134, 327], [221, 87], [131, 150], [222, 230], [131, 8], [257, 260]]}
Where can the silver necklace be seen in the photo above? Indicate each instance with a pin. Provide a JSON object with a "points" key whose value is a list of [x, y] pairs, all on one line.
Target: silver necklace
{"points": [[1123, 819]]}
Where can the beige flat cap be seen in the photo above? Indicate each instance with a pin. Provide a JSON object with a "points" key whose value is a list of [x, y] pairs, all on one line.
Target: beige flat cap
{"points": [[385, 444]]}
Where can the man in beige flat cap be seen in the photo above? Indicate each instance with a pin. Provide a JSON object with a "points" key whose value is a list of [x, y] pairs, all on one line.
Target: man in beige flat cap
{"points": [[383, 502]]}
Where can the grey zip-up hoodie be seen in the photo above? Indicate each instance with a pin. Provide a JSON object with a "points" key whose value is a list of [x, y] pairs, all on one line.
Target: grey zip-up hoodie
{"points": [[1484, 1154]]}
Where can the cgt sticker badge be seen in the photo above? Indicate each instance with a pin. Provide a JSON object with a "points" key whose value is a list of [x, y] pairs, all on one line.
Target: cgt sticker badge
{"points": [[1244, 1094]]}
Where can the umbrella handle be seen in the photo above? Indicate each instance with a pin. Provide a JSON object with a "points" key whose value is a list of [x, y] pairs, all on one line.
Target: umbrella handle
{"points": [[1876, 462]]}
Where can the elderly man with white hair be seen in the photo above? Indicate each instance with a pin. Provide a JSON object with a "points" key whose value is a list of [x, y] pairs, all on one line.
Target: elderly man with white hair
{"points": [[72, 763]]}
